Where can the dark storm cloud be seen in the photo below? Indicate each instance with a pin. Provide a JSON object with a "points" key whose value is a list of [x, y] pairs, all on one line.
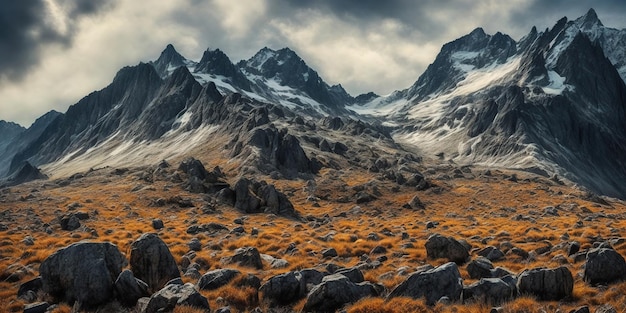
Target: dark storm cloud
{"points": [[28, 25], [544, 14]]}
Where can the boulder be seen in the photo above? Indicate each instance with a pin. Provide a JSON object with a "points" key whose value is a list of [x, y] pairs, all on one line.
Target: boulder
{"points": [[289, 287], [433, 284], [334, 292], [245, 201], [130, 289], [490, 290], [440, 247], [152, 262], [82, 272], [70, 222], [604, 266], [259, 197], [247, 256], [546, 284], [492, 253], [480, 268], [354, 274], [217, 278], [171, 296]]}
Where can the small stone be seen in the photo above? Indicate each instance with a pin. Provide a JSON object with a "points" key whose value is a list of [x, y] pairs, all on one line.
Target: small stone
{"points": [[157, 223]]}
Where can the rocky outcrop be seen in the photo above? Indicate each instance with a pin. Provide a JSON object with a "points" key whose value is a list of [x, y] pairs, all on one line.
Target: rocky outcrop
{"points": [[440, 247], [25, 173], [433, 284], [199, 180], [258, 197], [82, 273], [546, 284], [277, 151], [152, 262], [604, 266]]}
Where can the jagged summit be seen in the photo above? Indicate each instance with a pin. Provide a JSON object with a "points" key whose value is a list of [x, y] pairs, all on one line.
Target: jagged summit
{"points": [[217, 62], [589, 20], [168, 61], [552, 102]]}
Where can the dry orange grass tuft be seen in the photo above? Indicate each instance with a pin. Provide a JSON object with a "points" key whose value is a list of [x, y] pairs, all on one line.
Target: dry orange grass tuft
{"points": [[395, 305]]}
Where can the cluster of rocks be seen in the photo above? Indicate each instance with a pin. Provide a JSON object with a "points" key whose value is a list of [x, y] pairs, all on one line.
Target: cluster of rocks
{"points": [[247, 195], [90, 275]]}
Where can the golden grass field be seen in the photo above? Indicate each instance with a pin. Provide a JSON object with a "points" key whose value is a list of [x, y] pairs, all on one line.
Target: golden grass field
{"points": [[478, 208]]}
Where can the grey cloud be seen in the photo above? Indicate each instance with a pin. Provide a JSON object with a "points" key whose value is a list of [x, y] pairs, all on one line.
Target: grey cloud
{"points": [[26, 26]]}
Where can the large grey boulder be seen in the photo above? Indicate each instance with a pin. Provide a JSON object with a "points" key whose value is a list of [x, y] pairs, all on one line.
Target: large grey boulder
{"points": [[130, 289], [289, 287], [152, 262], [546, 284], [82, 272], [166, 299], [335, 291], [433, 284], [217, 278], [490, 290], [440, 247], [604, 266]]}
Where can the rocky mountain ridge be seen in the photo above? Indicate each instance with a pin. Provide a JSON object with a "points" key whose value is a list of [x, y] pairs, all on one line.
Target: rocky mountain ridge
{"points": [[551, 103]]}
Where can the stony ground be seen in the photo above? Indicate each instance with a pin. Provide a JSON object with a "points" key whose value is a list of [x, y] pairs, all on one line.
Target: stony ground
{"points": [[347, 218]]}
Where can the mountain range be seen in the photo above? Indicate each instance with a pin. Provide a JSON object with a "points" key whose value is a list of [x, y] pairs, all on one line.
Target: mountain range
{"points": [[553, 103]]}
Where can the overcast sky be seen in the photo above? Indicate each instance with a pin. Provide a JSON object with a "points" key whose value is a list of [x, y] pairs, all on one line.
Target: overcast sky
{"points": [[54, 52]]}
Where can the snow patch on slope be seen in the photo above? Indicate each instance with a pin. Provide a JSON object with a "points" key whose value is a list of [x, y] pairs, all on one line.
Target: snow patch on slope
{"points": [[121, 152]]}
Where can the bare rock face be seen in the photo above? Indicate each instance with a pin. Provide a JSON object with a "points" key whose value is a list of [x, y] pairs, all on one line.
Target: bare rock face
{"points": [[547, 284], [83, 272], [604, 266], [433, 284], [260, 197], [152, 262]]}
